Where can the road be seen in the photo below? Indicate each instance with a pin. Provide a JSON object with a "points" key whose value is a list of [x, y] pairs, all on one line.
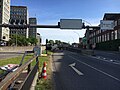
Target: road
{"points": [[4, 55], [72, 71], [113, 55]]}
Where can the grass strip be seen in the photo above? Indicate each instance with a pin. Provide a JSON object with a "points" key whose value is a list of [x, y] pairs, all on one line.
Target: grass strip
{"points": [[45, 84], [41, 84]]}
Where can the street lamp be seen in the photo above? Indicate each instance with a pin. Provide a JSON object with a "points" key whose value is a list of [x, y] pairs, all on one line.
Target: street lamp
{"points": [[87, 34], [16, 37], [72, 39], [78, 35], [87, 22]]}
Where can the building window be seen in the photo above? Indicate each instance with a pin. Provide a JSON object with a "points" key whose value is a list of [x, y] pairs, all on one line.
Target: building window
{"points": [[4, 37], [103, 38], [108, 36], [115, 23], [118, 21], [112, 35], [115, 34], [98, 39]]}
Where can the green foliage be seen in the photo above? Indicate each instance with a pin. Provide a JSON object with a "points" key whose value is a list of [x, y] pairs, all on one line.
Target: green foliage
{"points": [[32, 40], [57, 42], [21, 40], [41, 84], [51, 42], [112, 45]]}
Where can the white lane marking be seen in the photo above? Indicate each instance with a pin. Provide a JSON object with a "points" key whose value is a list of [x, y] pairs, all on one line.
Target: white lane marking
{"points": [[96, 69], [72, 52], [77, 71], [118, 63]]}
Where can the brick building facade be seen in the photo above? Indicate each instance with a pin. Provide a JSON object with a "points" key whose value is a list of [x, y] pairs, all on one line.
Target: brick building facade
{"points": [[98, 36]]}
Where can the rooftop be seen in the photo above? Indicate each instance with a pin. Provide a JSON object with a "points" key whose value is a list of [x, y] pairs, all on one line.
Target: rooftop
{"points": [[111, 16]]}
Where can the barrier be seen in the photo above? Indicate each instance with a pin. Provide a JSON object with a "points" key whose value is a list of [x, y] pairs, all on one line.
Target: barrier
{"points": [[8, 81], [82, 51]]}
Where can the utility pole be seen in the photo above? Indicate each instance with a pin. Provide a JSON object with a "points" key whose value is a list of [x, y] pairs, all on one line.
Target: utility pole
{"points": [[87, 37], [46, 45], [16, 38]]}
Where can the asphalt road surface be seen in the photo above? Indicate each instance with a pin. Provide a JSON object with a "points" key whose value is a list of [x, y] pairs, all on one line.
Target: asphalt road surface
{"points": [[72, 71], [4, 55]]}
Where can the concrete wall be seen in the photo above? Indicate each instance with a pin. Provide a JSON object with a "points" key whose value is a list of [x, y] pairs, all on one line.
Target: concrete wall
{"points": [[16, 49], [19, 49]]}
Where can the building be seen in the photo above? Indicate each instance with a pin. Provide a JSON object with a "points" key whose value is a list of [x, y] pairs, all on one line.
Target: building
{"points": [[19, 15], [33, 31], [80, 40], [4, 19], [97, 36]]}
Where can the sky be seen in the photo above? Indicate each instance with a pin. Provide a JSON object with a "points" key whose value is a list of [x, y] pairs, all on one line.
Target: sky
{"points": [[49, 12]]}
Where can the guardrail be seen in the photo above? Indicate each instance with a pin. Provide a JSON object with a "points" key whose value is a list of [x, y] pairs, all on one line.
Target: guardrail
{"points": [[6, 83], [82, 51]]}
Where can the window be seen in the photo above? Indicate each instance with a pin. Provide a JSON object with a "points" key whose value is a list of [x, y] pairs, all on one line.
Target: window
{"points": [[99, 38], [112, 35], [115, 34], [4, 37], [108, 36], [103, 38], [118, 21], [115, 23]]}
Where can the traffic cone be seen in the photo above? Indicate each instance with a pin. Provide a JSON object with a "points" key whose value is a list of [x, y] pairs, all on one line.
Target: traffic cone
{"points": [[44, 74]]}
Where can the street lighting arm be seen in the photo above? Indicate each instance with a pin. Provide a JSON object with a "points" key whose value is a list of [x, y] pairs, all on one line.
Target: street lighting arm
{"points": [[77, 33]]}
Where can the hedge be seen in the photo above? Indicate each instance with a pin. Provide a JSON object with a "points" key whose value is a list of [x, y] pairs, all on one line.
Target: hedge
{"points": [[112, 45]]}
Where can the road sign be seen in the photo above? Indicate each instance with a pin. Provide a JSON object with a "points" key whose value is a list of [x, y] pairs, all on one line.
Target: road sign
{"points": [[71, 24], [37, 50], [106, 24]]}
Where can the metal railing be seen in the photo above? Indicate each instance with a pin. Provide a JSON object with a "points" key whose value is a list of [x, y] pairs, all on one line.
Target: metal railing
{"points": [[11, 77]]}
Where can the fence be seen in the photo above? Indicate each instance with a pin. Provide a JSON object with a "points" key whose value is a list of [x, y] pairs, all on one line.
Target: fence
{"points": [[7, 82]]}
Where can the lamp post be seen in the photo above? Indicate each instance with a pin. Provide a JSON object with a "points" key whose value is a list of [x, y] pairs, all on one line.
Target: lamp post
{"points": [[87, 34], [72, 39], [87, 22], [78, 35], [16, 37]]}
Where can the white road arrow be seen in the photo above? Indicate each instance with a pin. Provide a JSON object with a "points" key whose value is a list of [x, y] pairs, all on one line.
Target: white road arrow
{"points": [[77, 71]]}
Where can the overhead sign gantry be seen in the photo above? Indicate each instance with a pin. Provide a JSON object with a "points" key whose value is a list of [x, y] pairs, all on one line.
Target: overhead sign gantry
{"points": [[63, 24]]}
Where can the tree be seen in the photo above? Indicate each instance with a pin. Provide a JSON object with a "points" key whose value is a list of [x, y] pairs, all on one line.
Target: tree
{"points": [[21, 40], [32, 40], [51, 42], [57, 42]]}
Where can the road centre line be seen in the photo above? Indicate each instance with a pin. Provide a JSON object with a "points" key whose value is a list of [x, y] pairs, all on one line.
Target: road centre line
{"points": [[96, 69]]}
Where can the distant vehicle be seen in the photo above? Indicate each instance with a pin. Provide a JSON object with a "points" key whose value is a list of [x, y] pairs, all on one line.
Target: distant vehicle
{"points": [[2, 44], [55, 47]]}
